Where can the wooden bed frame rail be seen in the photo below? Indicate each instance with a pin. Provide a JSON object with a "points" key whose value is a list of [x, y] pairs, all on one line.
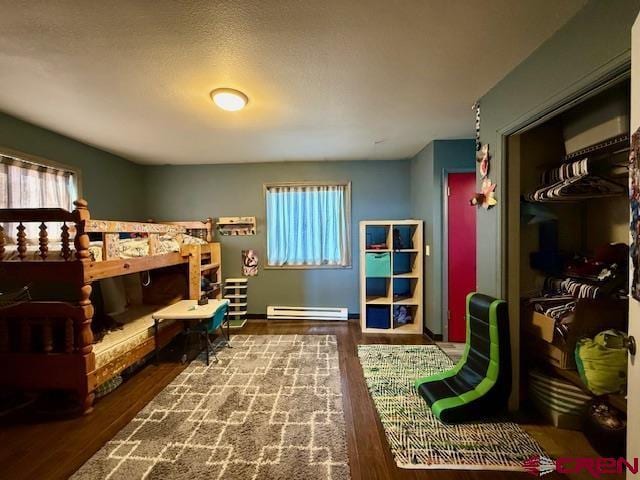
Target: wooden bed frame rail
{"points": [[44, 216], [49, 345], [78, 224]]}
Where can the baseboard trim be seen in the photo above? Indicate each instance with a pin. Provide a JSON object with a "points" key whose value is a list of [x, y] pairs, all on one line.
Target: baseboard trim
{"points": [[263, 316], [436, 337]]}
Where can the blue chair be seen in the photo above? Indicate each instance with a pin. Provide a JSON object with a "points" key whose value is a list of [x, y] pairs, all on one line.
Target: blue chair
{"points": [[219, 318]]}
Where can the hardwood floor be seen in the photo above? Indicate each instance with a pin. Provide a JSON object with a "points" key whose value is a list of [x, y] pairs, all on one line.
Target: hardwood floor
{"points": [[55, 449]]}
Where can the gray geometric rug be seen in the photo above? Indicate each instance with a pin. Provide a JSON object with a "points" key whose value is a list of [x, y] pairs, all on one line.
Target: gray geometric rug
{"points": [[270, 409], [417, 438]]}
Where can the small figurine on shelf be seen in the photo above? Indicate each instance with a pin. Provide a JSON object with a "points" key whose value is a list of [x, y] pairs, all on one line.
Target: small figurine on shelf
{"points": [[203, 299]]}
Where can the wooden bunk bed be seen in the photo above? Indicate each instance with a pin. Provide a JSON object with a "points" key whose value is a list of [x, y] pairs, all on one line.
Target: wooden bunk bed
{"points": [[47, 343]]}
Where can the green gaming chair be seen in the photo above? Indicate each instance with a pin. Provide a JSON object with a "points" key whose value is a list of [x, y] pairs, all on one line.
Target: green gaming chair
{"points": [[480, 384], [214, 323]]}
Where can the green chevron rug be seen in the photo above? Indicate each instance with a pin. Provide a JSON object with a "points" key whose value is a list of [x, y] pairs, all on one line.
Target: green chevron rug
{"points": [[416, 437]]}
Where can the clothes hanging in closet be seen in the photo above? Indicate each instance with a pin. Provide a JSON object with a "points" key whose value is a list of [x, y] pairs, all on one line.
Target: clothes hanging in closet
{"points": [[570, 286], [557, 307], [574, 181]]}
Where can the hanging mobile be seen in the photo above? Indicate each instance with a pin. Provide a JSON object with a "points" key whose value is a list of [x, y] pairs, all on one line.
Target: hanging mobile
{"points": [[486, 198], [483, 157]]}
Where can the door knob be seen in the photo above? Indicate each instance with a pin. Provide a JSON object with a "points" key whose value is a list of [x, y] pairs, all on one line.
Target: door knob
{"points": [[631, 345]]}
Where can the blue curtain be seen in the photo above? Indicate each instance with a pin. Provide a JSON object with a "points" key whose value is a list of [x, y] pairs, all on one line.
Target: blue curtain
{"points": [[307, 225]]}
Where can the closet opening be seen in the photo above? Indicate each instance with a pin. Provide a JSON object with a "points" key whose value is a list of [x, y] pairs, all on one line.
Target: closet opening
{"points": [[567, 265]]}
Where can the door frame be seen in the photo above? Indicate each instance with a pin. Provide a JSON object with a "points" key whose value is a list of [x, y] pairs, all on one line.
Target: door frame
{"points": [[444, 274]]}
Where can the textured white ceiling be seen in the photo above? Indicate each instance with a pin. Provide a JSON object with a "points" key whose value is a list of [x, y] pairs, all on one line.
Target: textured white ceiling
{"points": [[326, 79]]}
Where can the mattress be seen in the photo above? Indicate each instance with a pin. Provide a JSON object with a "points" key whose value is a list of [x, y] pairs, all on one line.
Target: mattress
{"points": [[138, 327]]}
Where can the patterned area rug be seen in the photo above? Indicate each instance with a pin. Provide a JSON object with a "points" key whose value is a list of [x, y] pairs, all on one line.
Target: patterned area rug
{"points": [[417, 438], [270, 409]]}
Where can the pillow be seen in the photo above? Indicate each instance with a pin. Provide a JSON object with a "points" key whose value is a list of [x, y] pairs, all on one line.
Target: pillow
{"points": [[133, 247], [191, 240], [168, 244]]}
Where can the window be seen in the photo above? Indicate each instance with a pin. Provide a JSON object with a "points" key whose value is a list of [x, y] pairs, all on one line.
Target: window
{"points": [[308, 225], [26, 184]]}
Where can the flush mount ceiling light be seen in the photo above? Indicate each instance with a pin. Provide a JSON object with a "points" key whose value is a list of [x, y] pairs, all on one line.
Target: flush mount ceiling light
{"points": [[229, 99]]}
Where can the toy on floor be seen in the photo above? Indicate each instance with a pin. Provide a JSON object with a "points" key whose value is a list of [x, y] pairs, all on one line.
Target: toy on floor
{"points": [[479, 385]]}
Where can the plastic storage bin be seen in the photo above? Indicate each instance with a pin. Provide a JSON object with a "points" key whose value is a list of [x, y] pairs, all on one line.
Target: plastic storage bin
{"points": [[605, 116], [378, 316], [378, 264]]}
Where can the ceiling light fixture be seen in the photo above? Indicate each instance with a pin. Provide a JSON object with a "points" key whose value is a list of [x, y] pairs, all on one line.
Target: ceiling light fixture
{"points": [[229, 99]]}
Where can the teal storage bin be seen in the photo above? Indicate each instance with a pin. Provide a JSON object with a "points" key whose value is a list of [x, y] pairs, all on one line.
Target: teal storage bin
{"points": [[378, 264]]}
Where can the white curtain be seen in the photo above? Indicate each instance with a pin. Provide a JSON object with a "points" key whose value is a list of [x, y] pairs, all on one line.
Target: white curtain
{"points": [[307, 225], [27, 185]]}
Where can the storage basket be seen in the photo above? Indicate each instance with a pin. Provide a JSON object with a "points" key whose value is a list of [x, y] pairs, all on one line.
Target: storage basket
{"points": [[378, 316], [378, 264]]}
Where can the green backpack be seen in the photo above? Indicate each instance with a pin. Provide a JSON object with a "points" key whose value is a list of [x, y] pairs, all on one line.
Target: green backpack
{"points": [[602, 362]]}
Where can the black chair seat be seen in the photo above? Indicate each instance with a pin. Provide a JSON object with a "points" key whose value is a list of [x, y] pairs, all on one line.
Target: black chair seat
{"points": [[480, 384]]}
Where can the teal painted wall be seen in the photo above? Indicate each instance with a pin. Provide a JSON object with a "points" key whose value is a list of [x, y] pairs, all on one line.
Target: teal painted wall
{"points": [[427, 176], [380, 190], [119, 189], [595, 41], [110, 183]]}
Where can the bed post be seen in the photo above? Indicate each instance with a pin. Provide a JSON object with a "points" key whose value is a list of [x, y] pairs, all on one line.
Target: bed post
{"points": [[2, 241], [193, 251], [209, 223], [85, 335]]}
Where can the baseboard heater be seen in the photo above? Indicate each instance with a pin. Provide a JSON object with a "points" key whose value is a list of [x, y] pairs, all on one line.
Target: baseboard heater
{"points": [[306, 313]]}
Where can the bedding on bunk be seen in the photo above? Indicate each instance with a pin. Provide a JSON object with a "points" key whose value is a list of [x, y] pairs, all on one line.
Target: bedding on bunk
{"points": [[127, 248]]}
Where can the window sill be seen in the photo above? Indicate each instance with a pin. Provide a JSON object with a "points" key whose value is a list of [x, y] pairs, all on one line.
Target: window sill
{"points": [[308, 267]]}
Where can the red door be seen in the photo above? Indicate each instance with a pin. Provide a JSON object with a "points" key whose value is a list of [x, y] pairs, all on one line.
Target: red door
{"points": [[461, 230]]}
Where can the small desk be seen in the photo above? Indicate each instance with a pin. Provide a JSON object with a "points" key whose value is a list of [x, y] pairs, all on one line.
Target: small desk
{"points": [[190, 311]]}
